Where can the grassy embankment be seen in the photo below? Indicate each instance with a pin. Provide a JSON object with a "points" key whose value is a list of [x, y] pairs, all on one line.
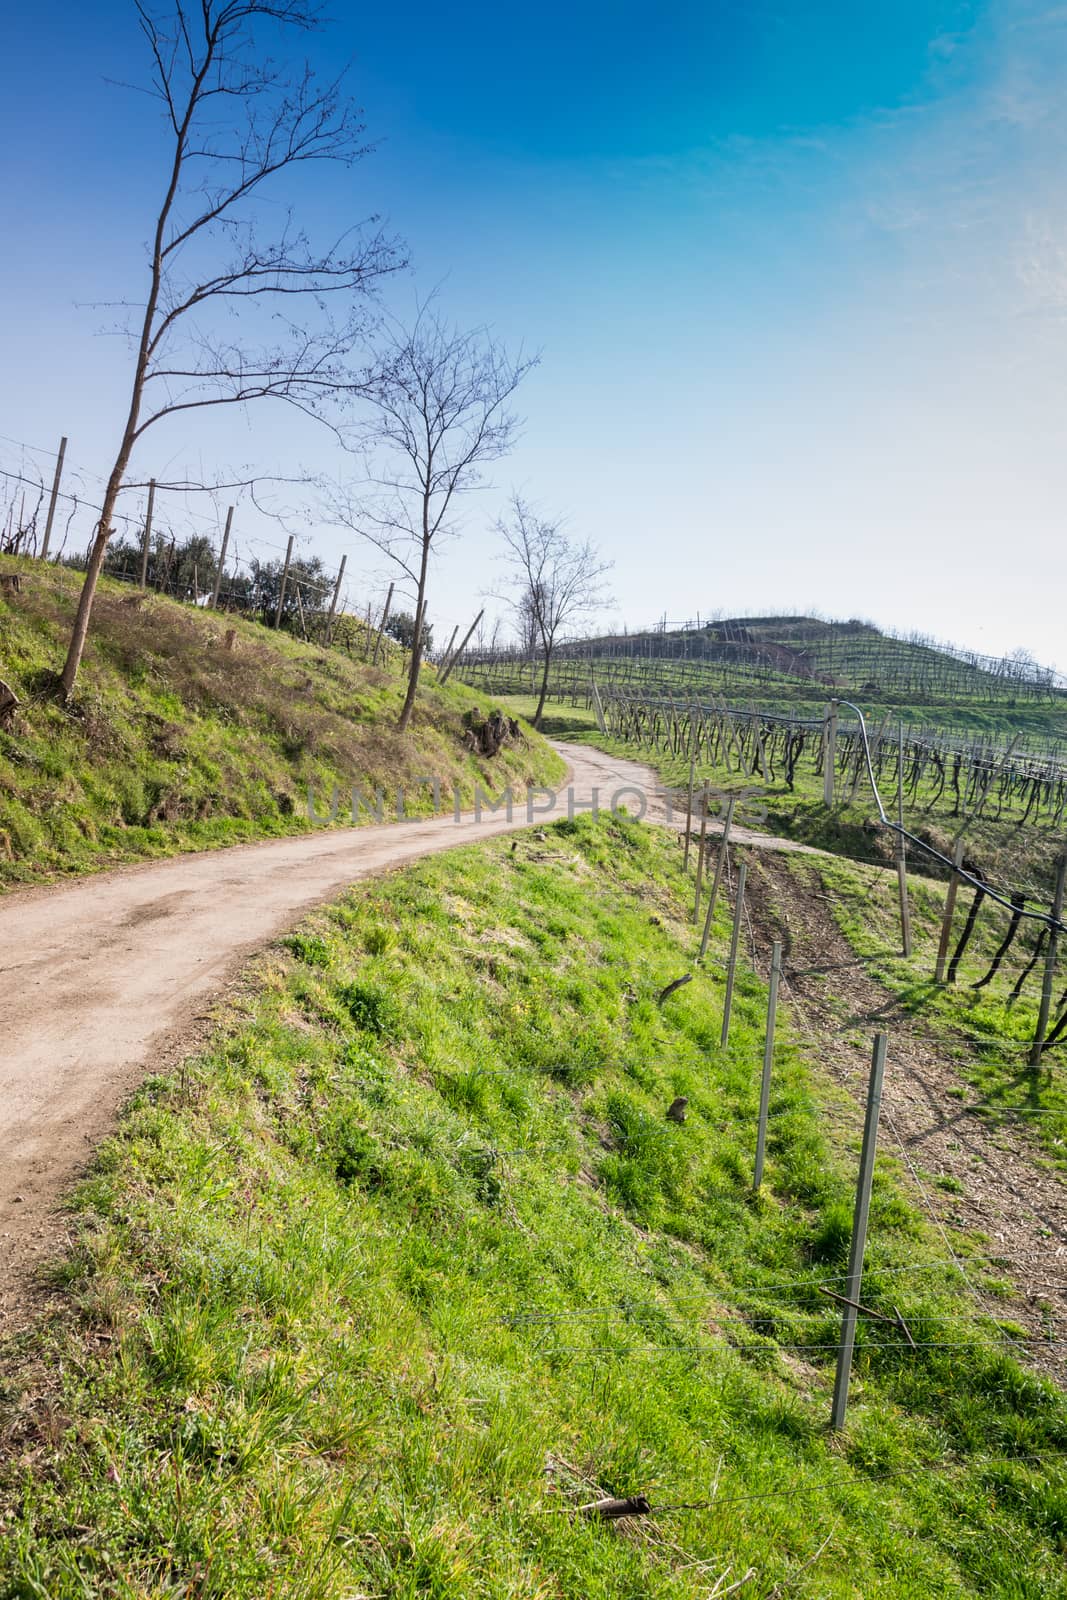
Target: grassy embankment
{"points": [[175, 741], [411, 1260], [986, 1028]]}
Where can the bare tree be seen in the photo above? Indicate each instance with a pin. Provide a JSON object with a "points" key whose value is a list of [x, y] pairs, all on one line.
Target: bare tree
{"points": [[440, 413], [235, 121], [556, 582]]}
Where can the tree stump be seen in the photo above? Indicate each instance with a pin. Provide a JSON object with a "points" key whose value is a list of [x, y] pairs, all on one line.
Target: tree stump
{"points": [[9, 702]]}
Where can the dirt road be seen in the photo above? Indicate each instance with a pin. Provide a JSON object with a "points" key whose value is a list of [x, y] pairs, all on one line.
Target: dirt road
{"points": [[104, 979]]}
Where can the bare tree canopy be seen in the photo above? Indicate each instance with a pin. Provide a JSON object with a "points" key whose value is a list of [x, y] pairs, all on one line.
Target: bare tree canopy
{"points": [[555, 582], [235, 121], [440, 414]]}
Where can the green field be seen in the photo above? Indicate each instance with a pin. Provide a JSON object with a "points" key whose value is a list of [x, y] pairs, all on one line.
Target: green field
{"points": [[410, 1263]]}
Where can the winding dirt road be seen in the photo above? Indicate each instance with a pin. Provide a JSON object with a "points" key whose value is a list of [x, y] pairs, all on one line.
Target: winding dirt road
{"points": [[105, 979], [109, 978]]}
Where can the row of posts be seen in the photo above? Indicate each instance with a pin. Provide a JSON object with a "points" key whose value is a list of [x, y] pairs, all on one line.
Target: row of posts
{"points": [[146, 540], [1055, 913], [850, 1299], [450, 656]]}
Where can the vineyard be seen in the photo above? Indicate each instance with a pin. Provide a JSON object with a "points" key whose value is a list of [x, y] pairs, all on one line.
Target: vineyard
{"points": [[790, 665], [981, 812]]}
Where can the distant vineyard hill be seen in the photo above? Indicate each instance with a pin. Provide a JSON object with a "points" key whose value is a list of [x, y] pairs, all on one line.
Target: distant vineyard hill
{"points": [[794, 663]]}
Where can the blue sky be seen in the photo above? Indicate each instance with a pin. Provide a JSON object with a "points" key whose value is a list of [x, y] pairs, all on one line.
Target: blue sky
{"points": [[798, 275]]}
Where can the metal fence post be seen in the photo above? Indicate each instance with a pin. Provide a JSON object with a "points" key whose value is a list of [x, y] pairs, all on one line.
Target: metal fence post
{"points": [[829, 755], [700, 848], [735, 938], [902, 851], [768, 1058], [1050, 965], [859, 1233], [719, 865]]}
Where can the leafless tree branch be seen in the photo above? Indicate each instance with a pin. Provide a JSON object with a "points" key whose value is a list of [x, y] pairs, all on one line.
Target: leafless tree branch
{"points": [[440, 413], [555, 582], [236, 121]]}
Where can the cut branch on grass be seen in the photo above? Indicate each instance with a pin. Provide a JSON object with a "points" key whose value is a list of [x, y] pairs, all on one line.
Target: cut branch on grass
{"points": [[236, 121]]}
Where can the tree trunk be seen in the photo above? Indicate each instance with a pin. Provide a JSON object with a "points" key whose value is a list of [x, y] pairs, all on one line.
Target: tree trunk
{"points": [[69, 675], [544, 691], [413, 680], [420, 624]]}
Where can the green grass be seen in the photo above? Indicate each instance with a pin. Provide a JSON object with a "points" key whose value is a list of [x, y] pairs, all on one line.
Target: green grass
{"points": [[410, 1260], [176, 742]]}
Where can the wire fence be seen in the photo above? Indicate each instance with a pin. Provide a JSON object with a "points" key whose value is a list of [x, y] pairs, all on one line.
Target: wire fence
{"points": [[50, 508]]}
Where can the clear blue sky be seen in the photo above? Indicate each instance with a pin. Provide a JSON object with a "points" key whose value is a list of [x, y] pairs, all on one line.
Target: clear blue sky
{"points": [[798, 273]]}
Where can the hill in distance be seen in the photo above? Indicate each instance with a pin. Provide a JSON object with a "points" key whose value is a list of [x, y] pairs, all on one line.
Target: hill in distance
{"points": [[794, 663]]}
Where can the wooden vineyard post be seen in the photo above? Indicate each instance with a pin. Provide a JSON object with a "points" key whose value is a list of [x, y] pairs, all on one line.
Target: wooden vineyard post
{"points": [[1050, 964], [146, 538], [448, 648], [53, 499], [902, 851], [328, 630], [735, 939], [829, 755], [700, 848], [213, 603], [300, 610], [724, 845], [768, 1060], [859, 1234], [380, 640], [284, 582], [598, 704], [950, 911], [454, 658]]}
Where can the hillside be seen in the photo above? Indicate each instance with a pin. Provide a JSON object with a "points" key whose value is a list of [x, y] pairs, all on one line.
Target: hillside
{"points": [[410, 1264], [793, 664], [193, 729]]}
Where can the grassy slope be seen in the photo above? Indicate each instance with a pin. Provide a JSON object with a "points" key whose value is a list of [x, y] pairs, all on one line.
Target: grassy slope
{"points": [[176, 742], [416, 1226]]}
